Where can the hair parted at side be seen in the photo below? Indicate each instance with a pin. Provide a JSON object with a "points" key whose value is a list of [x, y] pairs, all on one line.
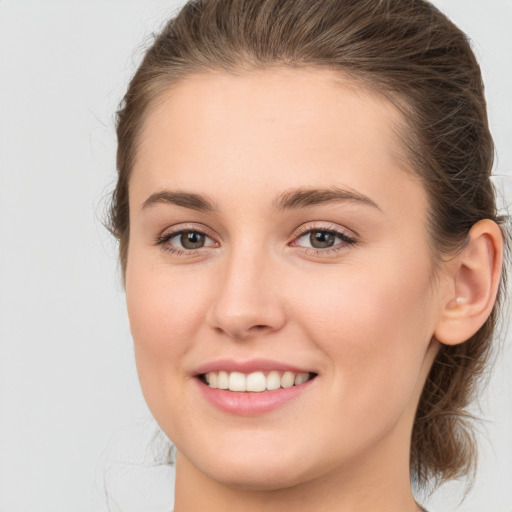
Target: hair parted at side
{"points": [[411, 53]]}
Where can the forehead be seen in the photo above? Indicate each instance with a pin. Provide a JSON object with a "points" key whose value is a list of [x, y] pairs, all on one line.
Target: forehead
{"points": [[304, 127]]}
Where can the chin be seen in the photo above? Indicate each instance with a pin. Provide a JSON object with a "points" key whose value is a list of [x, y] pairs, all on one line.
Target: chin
{"points": [[256, 477], [256, 469]]}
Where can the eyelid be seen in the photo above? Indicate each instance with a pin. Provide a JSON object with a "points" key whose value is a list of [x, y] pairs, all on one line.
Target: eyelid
{"points": [[186, 226], [323, 226], [347, 236], [170, 232]]}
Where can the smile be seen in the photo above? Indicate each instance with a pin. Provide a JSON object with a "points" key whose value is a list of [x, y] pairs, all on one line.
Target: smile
{"points": [[255, 382], [252, 388]]}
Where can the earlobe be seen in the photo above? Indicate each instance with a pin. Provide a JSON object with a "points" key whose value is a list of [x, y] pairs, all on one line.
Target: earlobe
{"points": [[474, 275]]}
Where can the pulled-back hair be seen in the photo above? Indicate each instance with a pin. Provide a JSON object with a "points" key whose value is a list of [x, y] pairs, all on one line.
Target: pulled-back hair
{"points": [[412, 54]]}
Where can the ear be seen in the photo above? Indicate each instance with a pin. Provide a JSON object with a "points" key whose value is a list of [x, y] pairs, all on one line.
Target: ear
{"points": [[473, 280]]}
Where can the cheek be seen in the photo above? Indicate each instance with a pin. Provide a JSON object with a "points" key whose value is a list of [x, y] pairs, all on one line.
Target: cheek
{"points": [[163, 307], [375, 327], [165, 312]]}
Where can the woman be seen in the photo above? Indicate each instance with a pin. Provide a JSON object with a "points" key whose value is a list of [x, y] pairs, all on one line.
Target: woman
{"points": [[311, 250]]}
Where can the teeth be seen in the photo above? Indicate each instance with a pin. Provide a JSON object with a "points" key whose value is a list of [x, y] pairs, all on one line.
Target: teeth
{"points": [[287, 380], [273, 381], [212, 380], [255, 382], [300, 378], [236, 381], [223, 380]]}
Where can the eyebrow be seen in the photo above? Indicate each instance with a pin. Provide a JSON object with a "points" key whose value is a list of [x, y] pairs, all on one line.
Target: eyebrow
{"points": [[190, 200], [304, 197], [289, 200]]}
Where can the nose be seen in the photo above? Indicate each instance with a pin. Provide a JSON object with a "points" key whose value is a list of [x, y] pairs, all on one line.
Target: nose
{"points": [[247, 301]]}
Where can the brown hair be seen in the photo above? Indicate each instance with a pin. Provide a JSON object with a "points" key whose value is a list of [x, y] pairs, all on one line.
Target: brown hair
{"points": [[411, 53]]}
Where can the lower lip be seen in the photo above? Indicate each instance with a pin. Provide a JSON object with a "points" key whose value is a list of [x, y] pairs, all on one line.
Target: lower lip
{"points": [[251, 404]]}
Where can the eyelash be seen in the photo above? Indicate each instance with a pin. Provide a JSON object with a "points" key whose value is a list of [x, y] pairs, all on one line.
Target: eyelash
{"points": [[346, 240], [163, 240]]}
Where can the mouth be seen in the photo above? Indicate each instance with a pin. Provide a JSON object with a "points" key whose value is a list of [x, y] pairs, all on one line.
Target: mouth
{"points": [[254, 382], [253, 387]]}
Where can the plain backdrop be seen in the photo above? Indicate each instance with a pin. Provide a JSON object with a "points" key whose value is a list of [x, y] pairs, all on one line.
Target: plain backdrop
{"points": [[74, 428]]}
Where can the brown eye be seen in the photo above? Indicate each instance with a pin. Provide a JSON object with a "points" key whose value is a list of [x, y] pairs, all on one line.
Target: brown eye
{"points": [[324, 240], [321, 239], [192, 240], [185, 241]]}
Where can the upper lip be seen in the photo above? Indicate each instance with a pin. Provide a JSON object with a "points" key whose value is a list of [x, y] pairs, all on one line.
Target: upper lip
{"points": [[249, 366]]}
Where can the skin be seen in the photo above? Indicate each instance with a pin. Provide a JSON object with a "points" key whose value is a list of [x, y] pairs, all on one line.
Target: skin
{"points": [[362, 317]]}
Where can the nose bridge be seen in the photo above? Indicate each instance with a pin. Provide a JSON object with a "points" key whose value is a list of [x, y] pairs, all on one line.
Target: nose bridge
{"points": [[245, 300]]}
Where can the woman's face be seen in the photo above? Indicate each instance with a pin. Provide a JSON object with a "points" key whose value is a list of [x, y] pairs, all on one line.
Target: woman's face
{"points": [[274, 234]]}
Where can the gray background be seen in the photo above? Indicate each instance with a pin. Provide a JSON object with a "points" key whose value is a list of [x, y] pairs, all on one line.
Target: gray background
{"points": [[72, 419]]}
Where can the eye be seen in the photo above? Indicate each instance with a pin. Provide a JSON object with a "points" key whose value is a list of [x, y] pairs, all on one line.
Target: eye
{"points": [[189, 239], [324, 239], [320, 239], [185, 240]]}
